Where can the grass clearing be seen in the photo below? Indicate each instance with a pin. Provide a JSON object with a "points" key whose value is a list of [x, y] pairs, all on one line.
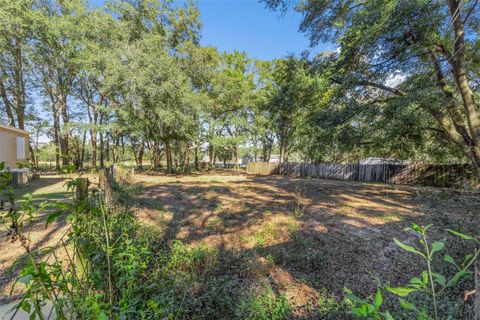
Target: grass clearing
{"points": [[47, 188], [228, 245], [289, 247]]}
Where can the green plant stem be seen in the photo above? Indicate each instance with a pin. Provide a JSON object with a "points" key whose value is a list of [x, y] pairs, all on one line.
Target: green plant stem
{"points": [[107, 241], [427, 250], [469, 264]]}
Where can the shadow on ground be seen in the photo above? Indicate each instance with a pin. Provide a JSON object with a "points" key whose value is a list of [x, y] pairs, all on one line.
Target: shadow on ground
{"points": [[304, 238], [12, 255]]}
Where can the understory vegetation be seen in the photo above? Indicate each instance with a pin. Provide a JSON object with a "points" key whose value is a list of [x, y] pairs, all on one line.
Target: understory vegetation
{"points": [[109, 265], [129, 85]]}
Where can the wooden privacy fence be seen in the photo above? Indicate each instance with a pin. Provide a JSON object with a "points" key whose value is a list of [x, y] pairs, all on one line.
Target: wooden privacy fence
{"points": [[263, 168], [421, 174]]}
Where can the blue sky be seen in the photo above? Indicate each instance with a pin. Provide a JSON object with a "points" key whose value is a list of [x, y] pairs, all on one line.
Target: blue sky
{"points": [[246, 25]]}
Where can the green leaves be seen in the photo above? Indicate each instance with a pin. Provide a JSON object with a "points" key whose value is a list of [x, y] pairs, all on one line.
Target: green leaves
{"points": [[461, 235], [439, 278], [102, 316], [449, 259], [407, 247], [407, 305], [378, 299], [365, 309], [52, 217], [401, 291], [436, 246], [427, 288]]}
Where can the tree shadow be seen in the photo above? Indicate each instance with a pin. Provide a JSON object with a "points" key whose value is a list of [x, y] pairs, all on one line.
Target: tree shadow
{"points": [[49, 189], [304, 237]]}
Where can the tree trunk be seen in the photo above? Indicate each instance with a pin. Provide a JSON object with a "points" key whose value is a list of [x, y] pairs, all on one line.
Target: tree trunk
{"points": [[93, 140], [196, 157], [19, 83], [282, 152], [115, 150], [102, 145], [140, 156], [211, 154], [65, 135], [186, 158], [7, 103], [93, 133], [168, 153], [153, 159], [34, 156], [235, 157], [82, 157], [107, 145], [56, 139]]}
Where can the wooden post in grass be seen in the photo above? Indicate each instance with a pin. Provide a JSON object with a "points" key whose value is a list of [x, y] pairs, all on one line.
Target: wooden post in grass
{"points": [[82, 189], [105, 177]]}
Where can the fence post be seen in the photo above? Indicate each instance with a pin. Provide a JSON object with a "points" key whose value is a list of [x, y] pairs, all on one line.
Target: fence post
{"points": [[105, 177], [82, 189]]}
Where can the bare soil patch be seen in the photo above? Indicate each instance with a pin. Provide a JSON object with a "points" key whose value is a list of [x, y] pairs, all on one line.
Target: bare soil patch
{"points": [[305, 238]]}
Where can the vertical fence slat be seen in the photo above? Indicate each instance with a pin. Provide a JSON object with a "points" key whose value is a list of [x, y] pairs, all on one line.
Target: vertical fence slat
{"points": [[431, 175]]}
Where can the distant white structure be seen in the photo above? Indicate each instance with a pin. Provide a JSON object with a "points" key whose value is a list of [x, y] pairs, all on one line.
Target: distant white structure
{"points": [[375, 160], [274, 158], [246, 159]]}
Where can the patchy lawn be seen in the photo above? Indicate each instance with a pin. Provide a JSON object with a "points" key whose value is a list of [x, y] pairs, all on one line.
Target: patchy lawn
{"points": [[303, 239], [48, 188], [273, 246]]}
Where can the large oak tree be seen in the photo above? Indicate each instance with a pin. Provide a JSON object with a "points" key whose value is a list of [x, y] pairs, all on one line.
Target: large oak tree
{"points": [[422, 52]]}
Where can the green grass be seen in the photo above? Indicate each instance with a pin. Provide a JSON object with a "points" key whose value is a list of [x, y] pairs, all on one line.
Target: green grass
{"points": [[264, 305], [45, 189]]}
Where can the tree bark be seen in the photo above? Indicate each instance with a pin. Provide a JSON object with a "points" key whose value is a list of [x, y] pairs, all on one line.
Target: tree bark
{"points": [[82, 157], [168, 153], [19, 83], [235, 157], [62, 100], [6, 101], [102, 144], [196, 157], [56, 134], [140, 156], [93, 117], [282, 151], [186, 158]]}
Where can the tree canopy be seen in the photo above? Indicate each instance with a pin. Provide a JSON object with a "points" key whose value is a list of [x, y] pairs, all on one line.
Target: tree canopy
{"points": [[131, 80], [411, 63]]}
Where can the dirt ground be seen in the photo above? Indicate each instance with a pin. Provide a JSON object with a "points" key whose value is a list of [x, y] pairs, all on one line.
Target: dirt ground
{"points": [[51, 188], [304, 236]]}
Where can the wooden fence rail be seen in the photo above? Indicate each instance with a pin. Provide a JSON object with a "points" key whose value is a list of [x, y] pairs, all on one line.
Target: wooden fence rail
{"points": [[421, 174]]}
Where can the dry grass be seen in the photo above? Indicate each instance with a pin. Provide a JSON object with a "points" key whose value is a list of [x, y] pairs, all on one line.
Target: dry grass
{"points": [[304, 237], [307, 239]]}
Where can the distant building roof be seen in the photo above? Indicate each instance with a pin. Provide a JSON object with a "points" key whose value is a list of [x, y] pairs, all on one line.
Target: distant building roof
{"points": [[2, 126]]}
